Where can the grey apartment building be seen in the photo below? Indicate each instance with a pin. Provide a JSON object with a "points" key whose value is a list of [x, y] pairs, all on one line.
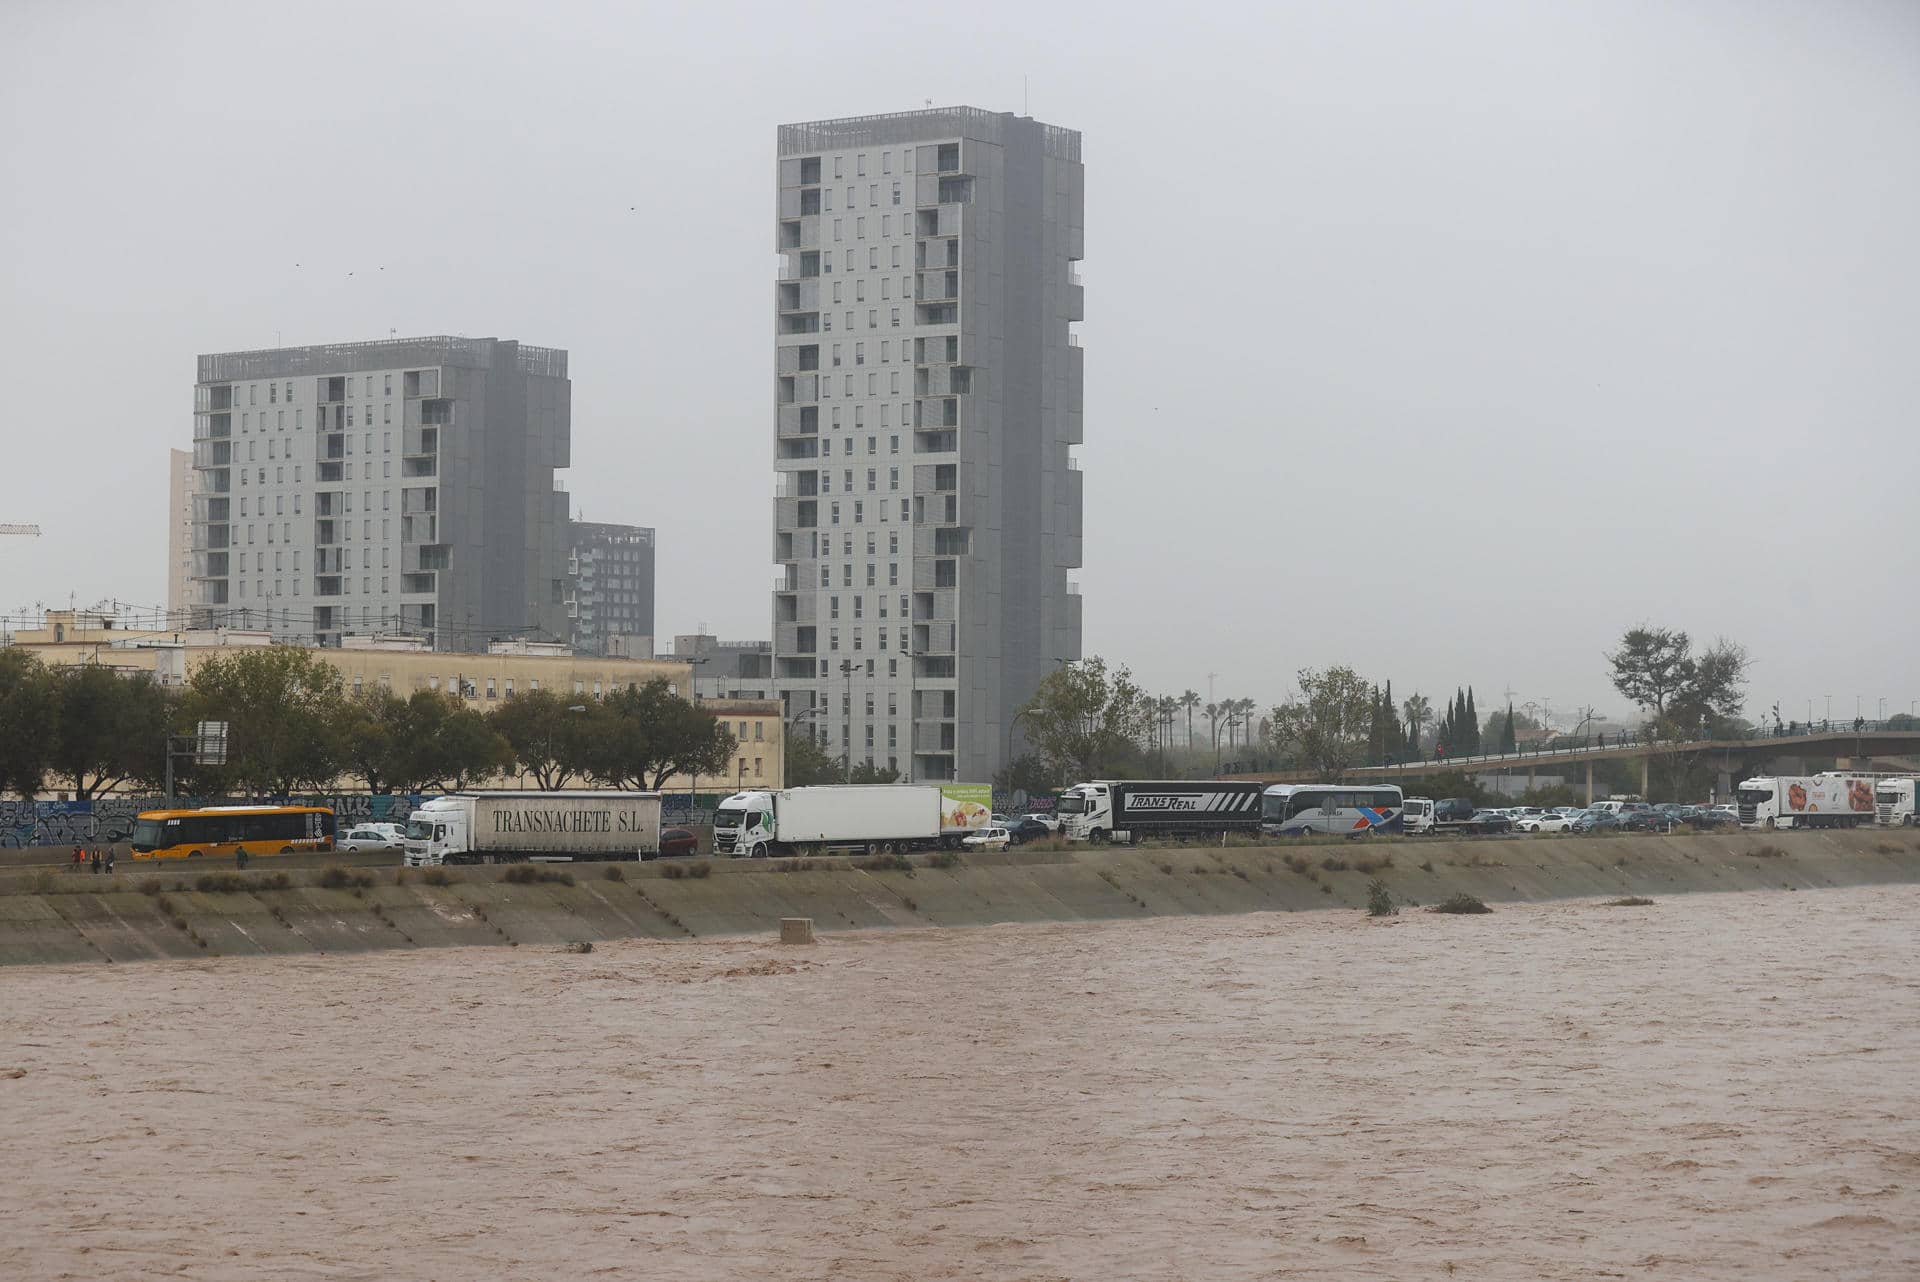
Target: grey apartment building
{"points": [[928, 388], [404, 486], [610, 589]]}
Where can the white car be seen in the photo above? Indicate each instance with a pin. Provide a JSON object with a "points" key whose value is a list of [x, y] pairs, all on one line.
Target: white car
{"points": [[1545, 823], [1052, 822], [368, 837], [989, 839]]}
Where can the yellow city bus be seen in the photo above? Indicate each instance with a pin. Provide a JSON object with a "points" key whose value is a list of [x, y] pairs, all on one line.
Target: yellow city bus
{"points": [[227, 830]]}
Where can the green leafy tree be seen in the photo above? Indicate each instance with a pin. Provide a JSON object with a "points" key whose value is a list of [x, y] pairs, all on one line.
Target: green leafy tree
{"points": [[641, 737], [463, 749], [808, 762], [1658, 669], [1028, 773], [549, 741], [1326, 729], [29, 722], [111, 730], [1088, 722], [376, 738], [284, 707], [867, 772]]}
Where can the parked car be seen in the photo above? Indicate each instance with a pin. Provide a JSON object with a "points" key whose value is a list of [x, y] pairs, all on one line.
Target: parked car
{"points": [[1492, 821], [678, 841], [368, 837], [1705, 817], [1647, 821], [1027, 828], [994, 838], [1517, 813], [1050, 822], [1544, 823], [1569, 811], [1597, 821]]}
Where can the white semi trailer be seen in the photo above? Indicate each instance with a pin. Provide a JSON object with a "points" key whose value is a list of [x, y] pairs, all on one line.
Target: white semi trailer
{"points": [[850, 818], [557, 827], [1831, 800]]}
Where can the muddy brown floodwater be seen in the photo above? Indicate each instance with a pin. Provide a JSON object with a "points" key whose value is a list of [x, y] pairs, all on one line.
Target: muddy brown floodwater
{"points": [[1718, 1086]]}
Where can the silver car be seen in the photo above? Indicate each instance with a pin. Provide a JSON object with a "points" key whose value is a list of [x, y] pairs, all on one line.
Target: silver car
{"points": [[368, 838]]}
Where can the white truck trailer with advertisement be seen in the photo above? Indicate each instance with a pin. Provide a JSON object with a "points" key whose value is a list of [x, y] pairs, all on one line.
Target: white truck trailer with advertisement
{"points": [[850, 819], [1893, 803], [554, 827], [1832, 800]]}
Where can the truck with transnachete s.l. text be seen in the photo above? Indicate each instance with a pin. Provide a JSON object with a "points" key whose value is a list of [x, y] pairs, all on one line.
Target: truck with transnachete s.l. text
{"points": [[832, 819], [1138, 810], [556, 827]]}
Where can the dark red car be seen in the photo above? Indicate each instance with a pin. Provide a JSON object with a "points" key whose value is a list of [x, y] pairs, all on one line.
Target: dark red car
{"points": [[678, 841]]}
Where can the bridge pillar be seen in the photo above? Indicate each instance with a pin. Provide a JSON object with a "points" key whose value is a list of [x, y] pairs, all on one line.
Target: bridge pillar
{"points": [[1589, 782], [1723, 789], [1645, 764]]}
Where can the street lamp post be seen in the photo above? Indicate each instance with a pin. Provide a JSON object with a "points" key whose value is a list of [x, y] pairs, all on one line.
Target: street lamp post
{"points": [[1014, 721], [846, 734]]}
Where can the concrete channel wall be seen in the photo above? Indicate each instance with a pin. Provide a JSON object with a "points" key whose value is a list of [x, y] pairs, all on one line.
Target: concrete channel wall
{"points": [[172, 912]]}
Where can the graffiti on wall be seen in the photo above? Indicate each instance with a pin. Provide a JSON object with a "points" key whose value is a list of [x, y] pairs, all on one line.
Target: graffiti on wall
{"points": [[78, 823]]}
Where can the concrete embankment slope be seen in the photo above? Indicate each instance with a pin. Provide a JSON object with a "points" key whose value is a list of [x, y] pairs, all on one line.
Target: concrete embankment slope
{"points": [[171, 912]]}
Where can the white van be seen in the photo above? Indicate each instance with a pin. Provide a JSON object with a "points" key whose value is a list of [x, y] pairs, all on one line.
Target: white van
{"points": [[1619, 807]]}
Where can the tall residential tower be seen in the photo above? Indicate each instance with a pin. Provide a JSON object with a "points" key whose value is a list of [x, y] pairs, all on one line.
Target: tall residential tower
{"points": [[928, 388], [404, 486]]}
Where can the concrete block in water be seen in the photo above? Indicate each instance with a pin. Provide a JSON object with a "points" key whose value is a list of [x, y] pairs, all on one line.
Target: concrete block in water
{"points": [[796, 930]]}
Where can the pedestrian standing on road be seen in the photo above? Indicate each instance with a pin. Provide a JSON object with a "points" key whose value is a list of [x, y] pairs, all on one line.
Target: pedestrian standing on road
{"points": [[109, 861], [79, 857], [96, 862]]}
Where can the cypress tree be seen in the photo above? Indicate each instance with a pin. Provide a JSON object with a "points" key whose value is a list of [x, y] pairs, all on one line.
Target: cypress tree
{"points": [[1473, 724], [1390, 723], [1509, 742]]}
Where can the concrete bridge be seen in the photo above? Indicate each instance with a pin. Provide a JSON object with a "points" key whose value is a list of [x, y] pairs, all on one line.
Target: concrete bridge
{"points": [[1873, 747]]}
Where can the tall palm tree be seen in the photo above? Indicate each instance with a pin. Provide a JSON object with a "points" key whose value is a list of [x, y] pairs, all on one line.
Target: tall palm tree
{"points": [[1419, 711], [1246, 707], [1189, 700]]}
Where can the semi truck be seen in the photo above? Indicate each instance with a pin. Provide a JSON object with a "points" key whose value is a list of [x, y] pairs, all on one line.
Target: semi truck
{"points": [[832, 819], [553, 827], [1893, 803], [1136, 810], [1835, 799]]}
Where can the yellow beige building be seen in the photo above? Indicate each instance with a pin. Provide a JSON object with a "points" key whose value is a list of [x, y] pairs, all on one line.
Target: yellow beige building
{"points": [[400, 664]]}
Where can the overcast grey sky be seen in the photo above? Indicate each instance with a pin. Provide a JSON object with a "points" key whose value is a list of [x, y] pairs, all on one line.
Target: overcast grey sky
{"points": [[1445, 340]]}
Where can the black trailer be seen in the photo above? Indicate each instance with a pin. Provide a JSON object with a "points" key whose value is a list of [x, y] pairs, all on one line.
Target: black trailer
{"points": [[1145, 810]]}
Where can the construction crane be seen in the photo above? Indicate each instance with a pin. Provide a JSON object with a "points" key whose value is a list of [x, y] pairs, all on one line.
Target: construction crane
{"points": [[31, 531]]}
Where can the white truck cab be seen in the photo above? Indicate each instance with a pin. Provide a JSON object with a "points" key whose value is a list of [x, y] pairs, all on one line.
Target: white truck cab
{"points": [[743, 825], [1893, 803], [436, 830], [1418, 815]]}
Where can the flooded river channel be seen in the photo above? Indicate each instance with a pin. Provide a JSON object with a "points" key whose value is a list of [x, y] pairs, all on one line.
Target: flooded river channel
{"points": [[1716, 1086]]}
